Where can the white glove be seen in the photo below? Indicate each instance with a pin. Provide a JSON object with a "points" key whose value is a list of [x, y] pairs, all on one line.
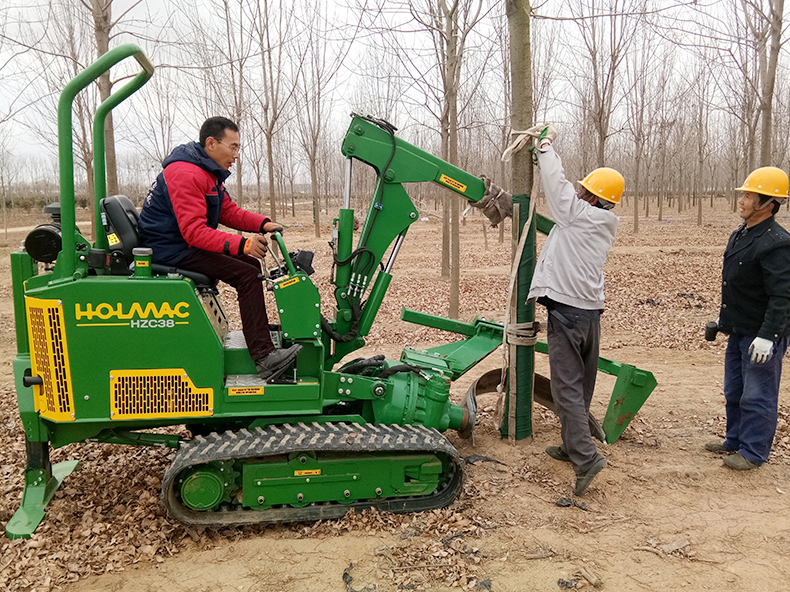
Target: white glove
{"points": [[535, 130], [761, 350], [544, 133]]}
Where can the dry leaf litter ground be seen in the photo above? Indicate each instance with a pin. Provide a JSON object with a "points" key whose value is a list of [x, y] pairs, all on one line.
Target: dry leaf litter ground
{"points": [[663, 515]]}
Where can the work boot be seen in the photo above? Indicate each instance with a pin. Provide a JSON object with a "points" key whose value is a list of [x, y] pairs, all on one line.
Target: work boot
{"points": [[584, 479], [276, 362], [557, 453], [717, 447], [738, 462]]}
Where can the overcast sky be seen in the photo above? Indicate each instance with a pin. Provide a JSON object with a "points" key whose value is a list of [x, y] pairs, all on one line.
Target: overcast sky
{"points": [[368, 72]]}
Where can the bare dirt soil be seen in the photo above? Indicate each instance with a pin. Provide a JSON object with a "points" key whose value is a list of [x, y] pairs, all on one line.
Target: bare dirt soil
{"points": [[663, 515]]}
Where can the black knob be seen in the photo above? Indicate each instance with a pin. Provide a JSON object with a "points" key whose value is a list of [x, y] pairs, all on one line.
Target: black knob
{"points": [[29, 381]]}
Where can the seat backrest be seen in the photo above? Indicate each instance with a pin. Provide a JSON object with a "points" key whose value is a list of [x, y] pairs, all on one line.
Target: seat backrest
{"points": [[120, 217]]}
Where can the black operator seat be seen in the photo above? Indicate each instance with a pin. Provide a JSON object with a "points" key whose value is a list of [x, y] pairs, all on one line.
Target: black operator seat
{"points": [[120, 218]]}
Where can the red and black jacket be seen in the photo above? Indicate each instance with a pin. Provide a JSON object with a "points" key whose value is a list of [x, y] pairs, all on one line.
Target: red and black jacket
{"points": [[185, 206]]}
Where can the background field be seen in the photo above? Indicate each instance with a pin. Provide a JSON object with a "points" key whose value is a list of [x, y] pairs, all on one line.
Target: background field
{"points": [[663, 515]]}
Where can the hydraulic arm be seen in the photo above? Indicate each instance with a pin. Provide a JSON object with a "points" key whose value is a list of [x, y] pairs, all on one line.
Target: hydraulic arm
{"points": [[389, 216]]}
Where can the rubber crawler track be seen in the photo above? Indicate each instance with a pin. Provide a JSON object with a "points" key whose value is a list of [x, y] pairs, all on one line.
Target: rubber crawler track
{"points": [[301, 437]]}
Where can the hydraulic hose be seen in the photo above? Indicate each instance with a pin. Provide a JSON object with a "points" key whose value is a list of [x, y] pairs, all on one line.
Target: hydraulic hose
{"points": [[356, 315]]}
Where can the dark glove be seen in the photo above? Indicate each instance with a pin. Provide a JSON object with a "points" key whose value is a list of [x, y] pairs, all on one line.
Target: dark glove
{"points": [[496, 203]]}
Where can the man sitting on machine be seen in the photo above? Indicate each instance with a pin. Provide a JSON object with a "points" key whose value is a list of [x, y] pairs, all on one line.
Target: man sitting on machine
{"points": [[179, 222]]}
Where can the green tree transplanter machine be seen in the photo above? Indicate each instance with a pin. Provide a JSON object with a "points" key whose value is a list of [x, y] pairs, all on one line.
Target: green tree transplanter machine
{"points": [[110, 347]]}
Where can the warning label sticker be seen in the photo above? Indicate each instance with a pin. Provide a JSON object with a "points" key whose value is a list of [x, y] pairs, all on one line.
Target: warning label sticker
{"points": [[307, 472], [236, 391], [457, 185]]}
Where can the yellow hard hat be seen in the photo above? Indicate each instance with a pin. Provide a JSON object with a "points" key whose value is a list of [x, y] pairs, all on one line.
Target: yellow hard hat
{"points": [[769, 181], [605, 183]]}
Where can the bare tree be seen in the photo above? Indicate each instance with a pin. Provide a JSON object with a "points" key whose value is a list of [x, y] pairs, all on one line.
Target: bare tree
{"points": [[655, 148], [636, 103], [156, 113], [62, 38], [607, 30], [379, 89], [449, 24], [747, 81], [436, 77], [274, 28], [642, 73], [317, 73], [16, 78], [765, 24], [780, 144], [214, 56], [8, 110], [59, 56], [286, 167], [9, 170], [101, 11], [662, 122], [459, 20], [701, 89]]}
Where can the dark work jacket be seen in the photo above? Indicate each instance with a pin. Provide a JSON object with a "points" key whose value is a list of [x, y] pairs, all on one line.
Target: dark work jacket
{"points": [[158, 226], [755, 287]]}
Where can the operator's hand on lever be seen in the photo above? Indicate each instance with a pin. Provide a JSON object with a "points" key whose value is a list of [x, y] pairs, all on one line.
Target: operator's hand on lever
{"points": [[272, 227], [761, 350], [255, 246]]}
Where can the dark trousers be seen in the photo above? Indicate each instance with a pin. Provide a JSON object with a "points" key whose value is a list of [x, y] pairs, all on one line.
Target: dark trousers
{"points": [[242, 273], [751, 394], [574, 337]]}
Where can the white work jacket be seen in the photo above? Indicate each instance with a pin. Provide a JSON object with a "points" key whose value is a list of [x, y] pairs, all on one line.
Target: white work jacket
{"points": [[570, 266]]}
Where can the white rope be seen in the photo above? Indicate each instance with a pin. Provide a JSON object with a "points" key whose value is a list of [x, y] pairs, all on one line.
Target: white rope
{"points": [[510, 296], [521, 140]]}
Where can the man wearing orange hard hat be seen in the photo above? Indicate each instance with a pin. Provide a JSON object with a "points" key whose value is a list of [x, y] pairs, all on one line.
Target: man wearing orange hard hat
{"points": [[755, 313], [568, 281]]}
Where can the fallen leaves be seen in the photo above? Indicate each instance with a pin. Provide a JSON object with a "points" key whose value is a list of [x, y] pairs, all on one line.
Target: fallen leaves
{"points": [[661, 286], [108, 517], [451, 561], [437, 545]]}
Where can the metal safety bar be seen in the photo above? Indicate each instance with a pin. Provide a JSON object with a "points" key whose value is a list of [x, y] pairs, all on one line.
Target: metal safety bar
{"points": [[67, 259]]}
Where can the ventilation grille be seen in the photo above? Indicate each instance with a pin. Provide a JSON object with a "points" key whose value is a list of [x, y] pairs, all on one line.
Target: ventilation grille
{"points": [[159, 393], [49, 356], [214, 313]]}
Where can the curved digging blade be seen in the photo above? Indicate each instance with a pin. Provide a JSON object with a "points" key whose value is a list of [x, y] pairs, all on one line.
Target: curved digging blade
{"points": [[486, 383]]}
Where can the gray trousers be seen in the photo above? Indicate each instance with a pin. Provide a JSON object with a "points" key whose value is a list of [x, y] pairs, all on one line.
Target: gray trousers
{"points": [[574, 336]]}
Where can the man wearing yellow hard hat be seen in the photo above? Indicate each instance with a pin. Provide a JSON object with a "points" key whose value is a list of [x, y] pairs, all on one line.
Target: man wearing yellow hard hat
{"points": [[568, 280], [755, 313]]}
